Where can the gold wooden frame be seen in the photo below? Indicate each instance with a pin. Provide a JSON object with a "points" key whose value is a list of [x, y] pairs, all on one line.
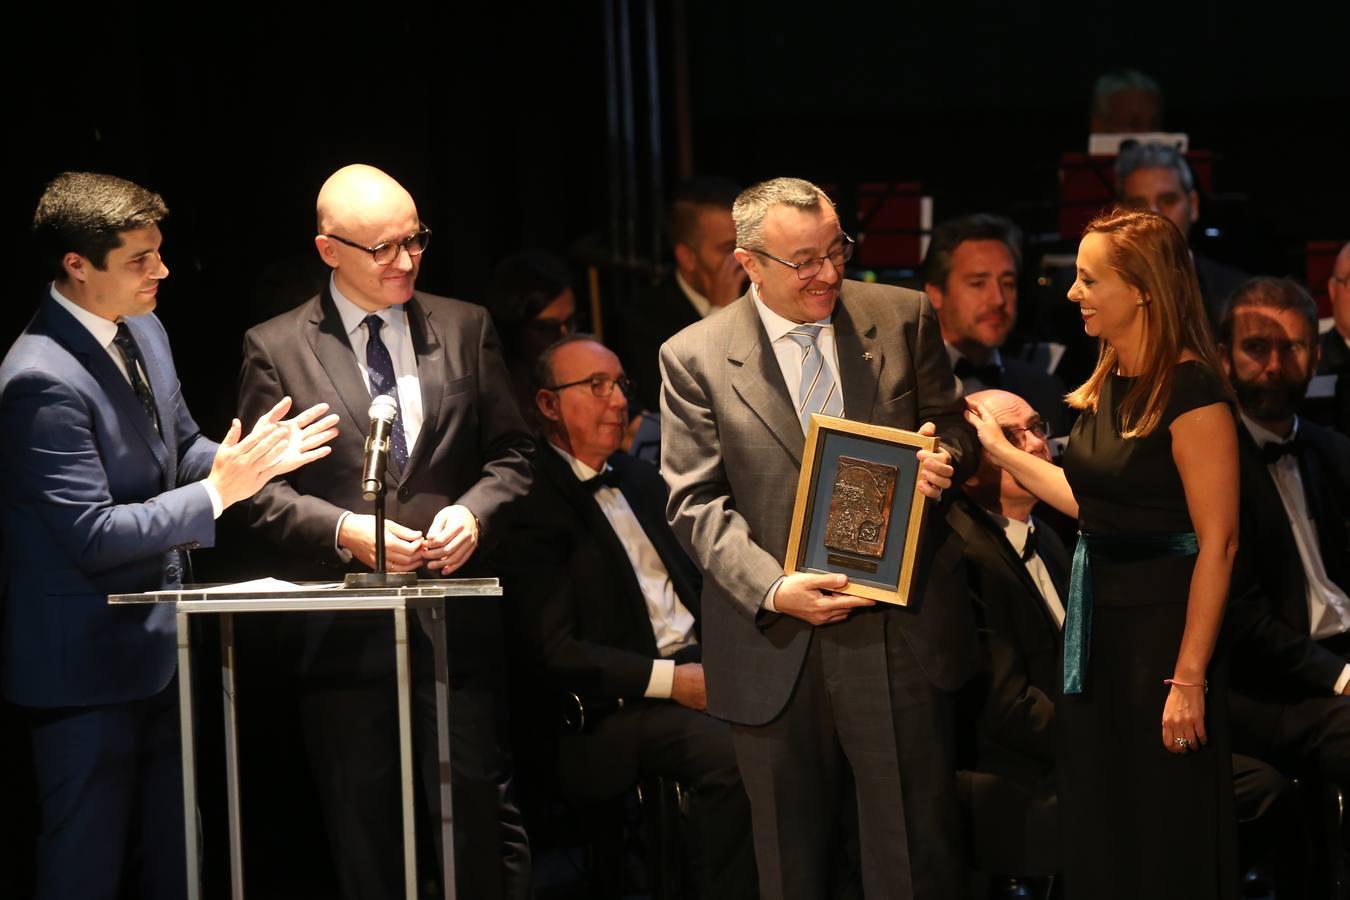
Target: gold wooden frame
{"points": [[804, 506]]}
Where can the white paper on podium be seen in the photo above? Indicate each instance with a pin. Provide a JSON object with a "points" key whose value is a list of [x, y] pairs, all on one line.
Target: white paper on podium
{"points": [[268, 586]]}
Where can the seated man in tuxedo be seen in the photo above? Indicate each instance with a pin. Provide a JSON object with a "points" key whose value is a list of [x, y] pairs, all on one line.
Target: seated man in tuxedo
{"points": [[1019, 574], [706, 278], [1290, 606], [970, 274], [610, 613]]}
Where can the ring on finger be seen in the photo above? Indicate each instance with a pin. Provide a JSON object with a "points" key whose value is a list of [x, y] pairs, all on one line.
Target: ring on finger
{"points": [[1183, 743]]}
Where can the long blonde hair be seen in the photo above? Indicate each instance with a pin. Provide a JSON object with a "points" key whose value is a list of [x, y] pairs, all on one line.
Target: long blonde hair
{"points": [[1150, 254]]}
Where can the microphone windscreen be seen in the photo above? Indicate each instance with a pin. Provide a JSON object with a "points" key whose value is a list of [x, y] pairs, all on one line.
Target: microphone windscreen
{"points": [[383, 407]]}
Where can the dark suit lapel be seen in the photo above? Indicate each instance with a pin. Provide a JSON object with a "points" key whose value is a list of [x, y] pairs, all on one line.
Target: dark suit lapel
{"points": [[550, 465], [429, 347], [1328, 518], [654, 525], [860, 359], [328, 339], [81, 344], [990, 543], [1261, 498], [758, 380]]}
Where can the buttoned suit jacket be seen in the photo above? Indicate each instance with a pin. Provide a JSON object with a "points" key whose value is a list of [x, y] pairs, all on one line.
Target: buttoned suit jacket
{"points": [[732, 451], [472, 448], [95, 502]]}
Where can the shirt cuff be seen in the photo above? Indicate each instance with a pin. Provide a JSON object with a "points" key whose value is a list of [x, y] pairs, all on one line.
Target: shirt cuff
{"points": [[1342, 681], [767, 604], [662, 680], [217, 505], [343, 554]]}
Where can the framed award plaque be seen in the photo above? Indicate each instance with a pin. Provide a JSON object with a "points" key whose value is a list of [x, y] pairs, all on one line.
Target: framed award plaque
{"points": [[859, 512]]}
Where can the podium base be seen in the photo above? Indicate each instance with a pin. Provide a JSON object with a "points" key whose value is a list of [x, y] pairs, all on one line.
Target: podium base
{"points": [[379, 579]]}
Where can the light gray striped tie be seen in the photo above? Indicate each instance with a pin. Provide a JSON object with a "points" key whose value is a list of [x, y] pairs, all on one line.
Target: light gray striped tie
{"points": [[819, 392]]}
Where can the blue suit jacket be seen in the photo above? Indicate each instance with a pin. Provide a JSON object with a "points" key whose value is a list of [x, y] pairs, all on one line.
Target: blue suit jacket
{"points": [[92, 501]]}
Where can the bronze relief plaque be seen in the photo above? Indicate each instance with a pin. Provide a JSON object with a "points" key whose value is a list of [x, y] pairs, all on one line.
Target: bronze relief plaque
{"points": [[860, 507]]}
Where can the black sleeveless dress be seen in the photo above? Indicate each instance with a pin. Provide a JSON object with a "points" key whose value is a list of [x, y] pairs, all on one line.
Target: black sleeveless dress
{"points": [[1136, 820]]}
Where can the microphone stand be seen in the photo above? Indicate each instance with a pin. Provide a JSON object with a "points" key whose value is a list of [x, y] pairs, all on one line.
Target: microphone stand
{"points": [[379, 578]]}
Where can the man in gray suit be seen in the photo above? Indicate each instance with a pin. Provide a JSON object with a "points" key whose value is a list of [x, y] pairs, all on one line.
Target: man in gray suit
{"points": [[818, 685]]}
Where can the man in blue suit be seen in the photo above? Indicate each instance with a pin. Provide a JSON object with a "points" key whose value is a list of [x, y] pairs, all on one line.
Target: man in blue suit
{"points": [[108, 483]]}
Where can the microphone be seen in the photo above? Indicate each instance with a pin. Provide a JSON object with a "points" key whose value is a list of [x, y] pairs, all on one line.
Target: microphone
{"points": [[383, 411]]}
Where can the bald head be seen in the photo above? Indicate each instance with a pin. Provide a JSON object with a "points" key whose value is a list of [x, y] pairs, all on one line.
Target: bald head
{"points": [[361, 207], [358, 193], [1338, 288], [990, 486]]}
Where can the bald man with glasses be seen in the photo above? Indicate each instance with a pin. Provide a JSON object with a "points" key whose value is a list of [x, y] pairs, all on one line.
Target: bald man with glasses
{"points": [[459, 457]]}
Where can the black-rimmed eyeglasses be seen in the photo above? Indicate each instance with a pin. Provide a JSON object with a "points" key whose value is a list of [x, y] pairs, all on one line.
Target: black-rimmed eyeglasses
{"points": [[1038, 427], [810, 268], [386, 252], [601, 385]]}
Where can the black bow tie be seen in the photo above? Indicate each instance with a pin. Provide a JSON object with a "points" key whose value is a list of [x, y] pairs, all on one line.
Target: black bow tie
{"points": [[607, 478], [1029, 548], [989, 375], [1273, 453]]}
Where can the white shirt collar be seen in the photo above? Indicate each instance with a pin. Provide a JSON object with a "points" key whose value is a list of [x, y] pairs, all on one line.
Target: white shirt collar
{"points": [[1264, 436], [353, 315], [1014, 530], [774, 324], [102, 329], [702, 305], [579, 468]]}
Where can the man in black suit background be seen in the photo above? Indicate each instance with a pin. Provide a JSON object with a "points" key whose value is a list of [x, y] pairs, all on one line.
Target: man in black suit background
{"points": [[706, 278], [1019, 573], [970, 275], [1290, 611], [459, 457], [608, 610]]}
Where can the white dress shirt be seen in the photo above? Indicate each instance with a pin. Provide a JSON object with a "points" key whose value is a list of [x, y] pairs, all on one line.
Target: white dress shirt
{"points": [[672, 623], [1018, 533], [1328, 606], [397, 338], [789, 355], [103, 331], [701, 304]]}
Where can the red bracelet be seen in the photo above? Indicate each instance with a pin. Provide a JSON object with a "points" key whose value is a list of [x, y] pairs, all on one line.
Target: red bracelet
{"points": [[1172, 682]]}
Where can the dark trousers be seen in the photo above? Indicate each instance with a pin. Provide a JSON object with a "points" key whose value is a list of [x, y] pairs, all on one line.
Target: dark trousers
{"points": [[862, 707], [110, 780], [350, 722], [661, 738], [1300, 735]]}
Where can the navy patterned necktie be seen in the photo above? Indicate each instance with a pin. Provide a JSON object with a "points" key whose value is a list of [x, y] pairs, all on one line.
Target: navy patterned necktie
{"points": [[131, 357], [818, 393], [380, 367]]}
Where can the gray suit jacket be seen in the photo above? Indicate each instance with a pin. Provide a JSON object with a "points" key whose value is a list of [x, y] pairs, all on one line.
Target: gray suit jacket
{"points": [[731, 452]]}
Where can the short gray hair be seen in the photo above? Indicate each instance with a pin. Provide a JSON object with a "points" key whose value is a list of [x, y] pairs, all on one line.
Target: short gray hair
{"points": [[754, 204], [1152, 156], [1112, 83]]}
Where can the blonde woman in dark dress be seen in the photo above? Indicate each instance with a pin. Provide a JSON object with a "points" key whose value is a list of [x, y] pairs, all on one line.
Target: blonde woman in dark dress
{"points": [[1151, 474]]}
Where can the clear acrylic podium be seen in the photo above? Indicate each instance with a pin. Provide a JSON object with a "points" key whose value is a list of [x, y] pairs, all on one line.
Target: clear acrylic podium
{"points": [[426, 600]]}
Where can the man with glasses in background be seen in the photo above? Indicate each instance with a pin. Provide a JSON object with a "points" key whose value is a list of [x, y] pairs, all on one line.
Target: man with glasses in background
{"points": [[459, 455], [823, 690]]}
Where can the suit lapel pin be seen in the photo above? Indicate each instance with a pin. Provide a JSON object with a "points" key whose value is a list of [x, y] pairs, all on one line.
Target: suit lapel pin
{"points": [[867, 357]]}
